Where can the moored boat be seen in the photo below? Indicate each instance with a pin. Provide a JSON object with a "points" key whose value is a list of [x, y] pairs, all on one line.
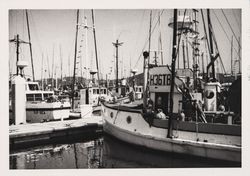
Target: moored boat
{"points": [[176, 115]]}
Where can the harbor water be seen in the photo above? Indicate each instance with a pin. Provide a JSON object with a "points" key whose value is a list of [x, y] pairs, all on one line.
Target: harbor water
{"points": [[103, 152]]}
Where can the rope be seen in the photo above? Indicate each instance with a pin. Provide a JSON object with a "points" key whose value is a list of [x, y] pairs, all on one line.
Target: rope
{"points": [[234, 15], [231, 28], [224, 31]]}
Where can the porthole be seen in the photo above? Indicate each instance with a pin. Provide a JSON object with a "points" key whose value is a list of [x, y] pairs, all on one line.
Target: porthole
{"points": [[111, 114], [129, 119], [209, 94]]}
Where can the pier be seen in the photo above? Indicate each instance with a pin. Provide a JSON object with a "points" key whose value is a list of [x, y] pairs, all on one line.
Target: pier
{"points": [[27, 135]]}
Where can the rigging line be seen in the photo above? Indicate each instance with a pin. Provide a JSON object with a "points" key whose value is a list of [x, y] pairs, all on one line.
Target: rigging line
{"points": [[217, 48], [218, 52], [231, 28], [147, 41], [238, 24], [225, 31]]}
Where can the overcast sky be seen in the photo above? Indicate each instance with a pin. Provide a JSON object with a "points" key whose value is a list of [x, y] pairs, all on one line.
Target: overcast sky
{"points": [[54, 28]]}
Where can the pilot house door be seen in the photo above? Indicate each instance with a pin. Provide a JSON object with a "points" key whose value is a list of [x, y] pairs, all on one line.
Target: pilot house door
{"points": [[161, 101]]}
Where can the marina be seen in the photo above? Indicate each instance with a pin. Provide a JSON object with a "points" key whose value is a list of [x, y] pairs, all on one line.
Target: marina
{"points": [[173, 100]]}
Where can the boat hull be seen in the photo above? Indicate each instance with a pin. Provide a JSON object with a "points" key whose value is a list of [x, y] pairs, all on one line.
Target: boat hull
{"points": [[138, 132], [39, 112]]}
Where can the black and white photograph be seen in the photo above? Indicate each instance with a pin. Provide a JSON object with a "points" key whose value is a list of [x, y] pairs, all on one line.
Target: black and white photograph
{"points": [[125, 88]]}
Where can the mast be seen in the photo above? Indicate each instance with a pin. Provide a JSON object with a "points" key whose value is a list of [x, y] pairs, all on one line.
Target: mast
{"points": [[61, 64], [96, 56], [74, 72], [48, 67], [239, 58], [52, 74], [42, 73], [117, 44], [149, 37], [195, 50], [155, 57], [31, 55], [232, 56], [17, 52], [86, 47], [211, 45], [183, 51], [160, 42], [203, 68], [170, 125], [187, 52]]}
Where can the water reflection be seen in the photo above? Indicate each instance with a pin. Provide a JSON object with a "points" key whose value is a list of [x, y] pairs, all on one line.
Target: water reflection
{"points": [[104, 152], [59, 156]]}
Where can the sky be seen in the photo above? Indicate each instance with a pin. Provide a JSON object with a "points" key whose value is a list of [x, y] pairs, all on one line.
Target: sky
{"points": [[54, 29]]}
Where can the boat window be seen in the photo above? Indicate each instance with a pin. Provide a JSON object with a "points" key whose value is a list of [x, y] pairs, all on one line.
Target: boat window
{"points": [[94, 91], [46, 95], [30, 97], [33, 87], [97, 91], [104, 91], [38, 97], [140, 89]]}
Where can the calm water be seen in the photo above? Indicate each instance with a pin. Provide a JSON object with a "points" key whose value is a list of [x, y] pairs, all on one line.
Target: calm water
{"points": [[103, 152]]}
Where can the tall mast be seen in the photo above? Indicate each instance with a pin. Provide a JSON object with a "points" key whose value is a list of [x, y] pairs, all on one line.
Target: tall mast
{"points": [[160, 42], [31, 55], [170, 126], [74, 71], [232, 55], [117, 44], [52, 74], [195, 50], [211, 44], [86, 47], [96, 56], [17, 52], [42, 72], [149, 36], [61, 64], [239, 58]]}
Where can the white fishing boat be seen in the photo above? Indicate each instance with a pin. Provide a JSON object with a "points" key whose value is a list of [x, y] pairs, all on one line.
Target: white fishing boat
{"points": [[42, 106], [130, 123], [176, 116]]}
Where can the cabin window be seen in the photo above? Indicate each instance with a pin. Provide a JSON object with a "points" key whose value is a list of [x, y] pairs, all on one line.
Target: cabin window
{"points": [[111, 114], [140, 89], [97, 91], [104, 91], [33, 87], [38, 97], [30, 97], [94, 91]]}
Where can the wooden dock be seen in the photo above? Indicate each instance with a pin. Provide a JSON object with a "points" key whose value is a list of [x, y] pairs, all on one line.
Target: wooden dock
{"points": [[28, 135]]}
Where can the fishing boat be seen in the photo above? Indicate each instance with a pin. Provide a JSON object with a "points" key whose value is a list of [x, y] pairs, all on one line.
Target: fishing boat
{"points": [[43, 106], [173, 117]]}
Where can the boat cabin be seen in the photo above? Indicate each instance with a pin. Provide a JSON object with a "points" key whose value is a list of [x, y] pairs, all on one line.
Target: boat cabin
{"points": [[33, 92], [159, 88], [90, 95]]}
